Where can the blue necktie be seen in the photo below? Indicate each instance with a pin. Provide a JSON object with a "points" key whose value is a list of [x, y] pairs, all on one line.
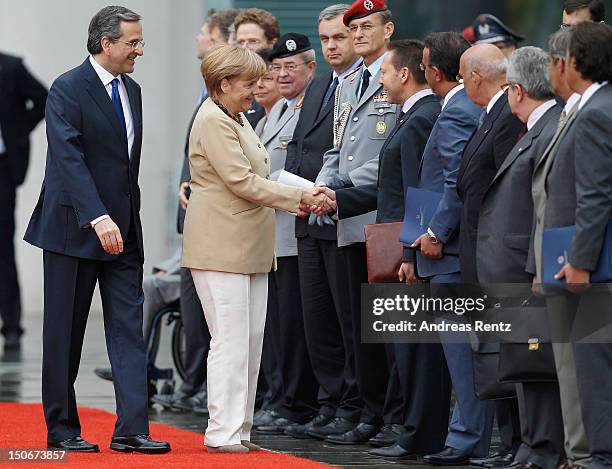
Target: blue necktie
{"points": [[117, 103], [482, 118]]}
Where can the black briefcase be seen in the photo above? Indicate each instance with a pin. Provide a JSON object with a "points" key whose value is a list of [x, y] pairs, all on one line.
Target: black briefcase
{"points": [[526, 353]]}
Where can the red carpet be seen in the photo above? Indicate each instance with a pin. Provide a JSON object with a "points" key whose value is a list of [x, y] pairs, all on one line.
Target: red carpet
{"points": [[23, 426]]}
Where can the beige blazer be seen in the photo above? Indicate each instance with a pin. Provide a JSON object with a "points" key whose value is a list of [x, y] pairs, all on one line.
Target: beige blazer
{"points": [[229, 224]]}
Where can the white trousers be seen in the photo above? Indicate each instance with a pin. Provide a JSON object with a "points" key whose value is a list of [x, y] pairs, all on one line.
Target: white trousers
{"points": [[235, 310]]}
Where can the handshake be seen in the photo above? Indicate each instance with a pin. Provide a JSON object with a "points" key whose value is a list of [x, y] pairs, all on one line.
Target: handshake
{"points": [[317, 202]]}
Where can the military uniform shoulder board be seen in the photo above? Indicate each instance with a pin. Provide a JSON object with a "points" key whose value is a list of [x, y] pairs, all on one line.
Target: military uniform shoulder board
{"points": [[298, 104]]}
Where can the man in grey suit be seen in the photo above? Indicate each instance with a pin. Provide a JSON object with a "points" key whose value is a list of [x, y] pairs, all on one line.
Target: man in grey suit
{"points": [[504, 233], [363, 119], [472, 420], [293, 66], [578, 184]]}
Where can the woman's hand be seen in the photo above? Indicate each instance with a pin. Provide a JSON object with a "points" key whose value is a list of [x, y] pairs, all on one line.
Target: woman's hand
{"points": [[316, 202]]}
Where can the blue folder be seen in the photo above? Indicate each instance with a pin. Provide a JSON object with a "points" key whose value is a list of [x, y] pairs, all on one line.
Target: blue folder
{"points": [[556, 243], [420, 207]]}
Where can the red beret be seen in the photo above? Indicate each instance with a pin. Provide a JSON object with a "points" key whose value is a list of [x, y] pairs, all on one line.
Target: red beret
{"points": [[363, 8]]}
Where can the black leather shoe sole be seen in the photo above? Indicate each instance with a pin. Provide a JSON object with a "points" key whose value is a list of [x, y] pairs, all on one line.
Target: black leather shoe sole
{"points": [[381, 443], [137, 449], [299, 434]]}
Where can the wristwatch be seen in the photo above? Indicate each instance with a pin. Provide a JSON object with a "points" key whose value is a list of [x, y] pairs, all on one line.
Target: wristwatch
{"points": [[432, 237]]}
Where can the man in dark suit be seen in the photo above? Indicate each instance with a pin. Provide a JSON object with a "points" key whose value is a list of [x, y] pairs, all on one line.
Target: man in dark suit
{"points": [[472, 420], [87, 222], [504, 233], [321, 263], [483, 69], [578, 185], [419, 366], [22, 106]]}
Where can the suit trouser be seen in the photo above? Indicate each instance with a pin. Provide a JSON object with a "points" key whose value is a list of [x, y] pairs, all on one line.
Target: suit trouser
{"points": [[471, 423], [561, 312], [593, 359], [197, 336], [425, 382], [541, 424], [10, 298], [69, 287], [509, 424], [394, 410], [371, 367], [299, 386], [235, 310], [328, 325], [270, 358]]}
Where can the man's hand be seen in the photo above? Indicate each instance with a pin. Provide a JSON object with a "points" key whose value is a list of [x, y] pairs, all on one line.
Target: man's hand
{"points": [[110, 236], [406, 273], [182, 195], [330, 194], [428, 249], [303, 211], [316, 201], [576, 278]]}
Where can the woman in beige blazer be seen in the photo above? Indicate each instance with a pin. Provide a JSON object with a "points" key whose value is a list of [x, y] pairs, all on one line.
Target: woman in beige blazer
{"points": [[228, 240]]}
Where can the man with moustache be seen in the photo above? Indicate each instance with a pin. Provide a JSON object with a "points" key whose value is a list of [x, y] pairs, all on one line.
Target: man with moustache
{"points": [[321, 263], [87, 221], [363, 119]]}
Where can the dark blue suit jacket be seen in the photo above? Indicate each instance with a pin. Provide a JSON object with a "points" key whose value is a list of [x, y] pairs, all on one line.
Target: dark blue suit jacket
{"points": [[88, 172], [440, 167], [399, 161]]}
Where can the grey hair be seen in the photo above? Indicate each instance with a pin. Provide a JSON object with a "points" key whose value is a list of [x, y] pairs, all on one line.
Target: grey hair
{"points": [[559, 42], [487, 68], [309, 55], [528, 67], [107, 23], [333, 11]]}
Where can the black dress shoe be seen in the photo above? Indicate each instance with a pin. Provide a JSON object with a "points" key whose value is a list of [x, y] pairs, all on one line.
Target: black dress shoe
{"points": [[393, 452], [76, 444], [104, 373], [337, 426], [528, 465], [299, 430], [388, 435], [447, 457], [264, 417], [139, 444], [12, 342], [504, 461], [492, 459], [358, 435], [168, 400], [276, 427]]}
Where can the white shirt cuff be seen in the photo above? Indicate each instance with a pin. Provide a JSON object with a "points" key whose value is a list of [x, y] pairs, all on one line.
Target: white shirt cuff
{"points": [[98, 220]]}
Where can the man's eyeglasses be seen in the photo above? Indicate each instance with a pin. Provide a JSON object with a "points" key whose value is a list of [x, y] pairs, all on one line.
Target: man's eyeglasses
{"points": [[459, 78], [506, 86], [289, 68], [365, 28], [133, 44]]}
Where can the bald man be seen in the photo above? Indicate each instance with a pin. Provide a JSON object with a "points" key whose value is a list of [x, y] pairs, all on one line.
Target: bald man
{"points": [[483, 70]]}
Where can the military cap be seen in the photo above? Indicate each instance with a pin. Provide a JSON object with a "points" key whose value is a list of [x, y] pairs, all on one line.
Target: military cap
{"points": [[290, 44], [363, 8], [489, 29]]}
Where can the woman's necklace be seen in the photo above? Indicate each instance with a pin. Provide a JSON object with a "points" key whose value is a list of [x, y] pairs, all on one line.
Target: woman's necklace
{"points": [[237, 118]]}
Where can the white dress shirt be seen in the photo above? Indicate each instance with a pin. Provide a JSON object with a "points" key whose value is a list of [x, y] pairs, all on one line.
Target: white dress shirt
{"points": [[494, 100], [590, 91], [452, 93], [106, 78], [2, 147], [373, 68], [538, 112], [412, 100]]}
